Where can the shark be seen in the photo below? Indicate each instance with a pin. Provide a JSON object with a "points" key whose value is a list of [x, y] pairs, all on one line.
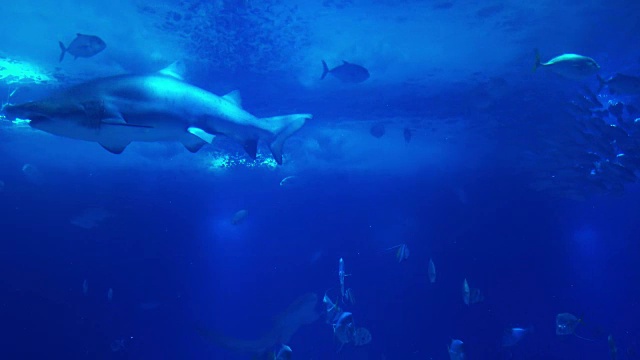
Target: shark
{"points": [[301, 311], [118, 110]]}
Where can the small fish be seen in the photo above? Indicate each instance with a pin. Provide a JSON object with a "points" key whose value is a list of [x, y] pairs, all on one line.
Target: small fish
{"points": [[341, 276], [349, 297], [471, 295], [432, 271], [110, 294], [407, 135], [239, 217], [85, 287], [513, 336], [283, 352], [344, 329], [613, 350], [361, 336], [377, 131], [566, 324], [288, 181], [456, 350], [571, 66], [332, 308], [83, 46], [347, 72], [466, 292], [402, 253], [621, 84]]}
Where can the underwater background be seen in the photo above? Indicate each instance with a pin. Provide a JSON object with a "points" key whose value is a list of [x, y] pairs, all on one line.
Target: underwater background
{"points": [[521, 183]]}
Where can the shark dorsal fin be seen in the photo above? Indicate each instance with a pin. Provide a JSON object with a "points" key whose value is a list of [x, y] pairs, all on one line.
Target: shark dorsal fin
{"points": [[234, 97], [175, 70]]}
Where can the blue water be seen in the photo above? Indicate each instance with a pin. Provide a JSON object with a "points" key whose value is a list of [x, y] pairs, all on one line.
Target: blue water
{"points": [[493, 185]]}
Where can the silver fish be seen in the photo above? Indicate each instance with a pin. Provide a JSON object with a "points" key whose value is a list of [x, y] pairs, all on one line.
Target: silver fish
{"points": [[347, 72], [572, 66], [83, 46]]}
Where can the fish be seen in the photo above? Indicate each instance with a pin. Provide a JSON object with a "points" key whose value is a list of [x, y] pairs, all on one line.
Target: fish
{"points": [[407, 135], [566, 324], [110, 294], [572, 66], [332, 309], [513, 336], [432, 271], [239, 217], [377, 131], [288, 181], [402, 253], [115, 111], [466, 292], [85, 287], [33, 174], [456, 350], [83, 45], [621, 84], [280, 352], [341, 276], [347, 72], [471, 295], [344, 329], [301, 311], [613, 350], [349, 297], [362, 336]]}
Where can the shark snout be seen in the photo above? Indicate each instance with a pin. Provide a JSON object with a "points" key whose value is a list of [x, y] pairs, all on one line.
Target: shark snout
{"points": [[24, 112]]}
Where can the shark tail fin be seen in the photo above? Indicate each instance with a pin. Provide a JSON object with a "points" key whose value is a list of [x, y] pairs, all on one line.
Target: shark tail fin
{"points": [[537, 64], [325, 70], [63, 50], [282, 127]]}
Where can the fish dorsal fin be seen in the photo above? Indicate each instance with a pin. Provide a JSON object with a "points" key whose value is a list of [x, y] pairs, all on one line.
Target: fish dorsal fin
{"points": [[78, 34], [344, 62], [234, 97], [175, 70]]}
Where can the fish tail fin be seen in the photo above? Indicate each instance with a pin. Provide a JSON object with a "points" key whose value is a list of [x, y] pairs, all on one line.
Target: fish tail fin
{"points": [[325, 70], [63, 50], [282, 127], [537, 63], [601, 81]]}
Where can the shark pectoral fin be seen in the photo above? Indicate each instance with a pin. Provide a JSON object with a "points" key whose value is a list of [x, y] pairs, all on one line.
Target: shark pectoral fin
{"points": [[234, 98], [115, 146], [282, 127], [251, 147], [205, 136], [193, 143]]}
